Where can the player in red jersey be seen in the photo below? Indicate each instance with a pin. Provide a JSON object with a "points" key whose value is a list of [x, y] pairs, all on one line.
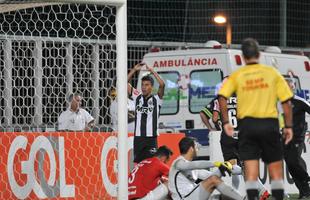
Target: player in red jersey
{"points": [[148, 180]]}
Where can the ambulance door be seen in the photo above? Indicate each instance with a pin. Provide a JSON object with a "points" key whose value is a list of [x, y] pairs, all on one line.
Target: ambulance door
{"points": [[203, 85], [171, 101]]}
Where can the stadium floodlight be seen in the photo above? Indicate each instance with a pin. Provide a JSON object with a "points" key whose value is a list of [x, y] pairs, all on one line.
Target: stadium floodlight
{"points": [[221, 19]]}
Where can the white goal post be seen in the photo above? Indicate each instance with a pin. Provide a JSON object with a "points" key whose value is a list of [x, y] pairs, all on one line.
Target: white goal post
{"points": [[121, 68]]}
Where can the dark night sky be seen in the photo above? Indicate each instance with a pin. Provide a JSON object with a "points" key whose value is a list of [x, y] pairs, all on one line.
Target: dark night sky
{"points": [[169, 20], [164, 20]]}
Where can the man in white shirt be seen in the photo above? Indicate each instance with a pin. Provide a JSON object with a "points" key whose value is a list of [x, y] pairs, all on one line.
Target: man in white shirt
{"points": [[75, 118], [113, 112], [184, 173]]}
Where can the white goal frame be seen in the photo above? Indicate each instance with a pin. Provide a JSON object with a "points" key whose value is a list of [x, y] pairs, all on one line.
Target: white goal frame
{"points": [[121, 78], [121, 85]]}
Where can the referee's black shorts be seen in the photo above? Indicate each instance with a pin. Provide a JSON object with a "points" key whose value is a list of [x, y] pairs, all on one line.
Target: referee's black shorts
{"points": [[260, 138], [144, 147]]}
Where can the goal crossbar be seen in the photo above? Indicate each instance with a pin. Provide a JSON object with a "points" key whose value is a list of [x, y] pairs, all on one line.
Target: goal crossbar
{"points": [[97, 2]]}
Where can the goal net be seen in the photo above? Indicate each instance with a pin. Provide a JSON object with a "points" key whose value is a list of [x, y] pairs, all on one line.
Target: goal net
{"points": [[48, 51]]}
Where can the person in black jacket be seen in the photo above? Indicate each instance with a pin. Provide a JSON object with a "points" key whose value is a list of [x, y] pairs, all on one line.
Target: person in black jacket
{"points": [[211, 112], [292, 152]]}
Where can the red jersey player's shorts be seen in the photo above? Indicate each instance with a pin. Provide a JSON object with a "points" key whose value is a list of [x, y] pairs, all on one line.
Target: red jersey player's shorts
{"points": [[145, 177]]}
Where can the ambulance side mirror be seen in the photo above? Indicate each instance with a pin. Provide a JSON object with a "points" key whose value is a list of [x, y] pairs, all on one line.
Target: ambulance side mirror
{"points": [[161, 125], [189, 124]]}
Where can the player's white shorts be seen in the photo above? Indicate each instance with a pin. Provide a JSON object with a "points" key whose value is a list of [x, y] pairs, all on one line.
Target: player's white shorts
{"points": [[199, 192], [159, 193]]}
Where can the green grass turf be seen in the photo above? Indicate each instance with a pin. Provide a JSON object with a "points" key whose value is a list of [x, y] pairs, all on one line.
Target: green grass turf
{"points": [[292, 197]]}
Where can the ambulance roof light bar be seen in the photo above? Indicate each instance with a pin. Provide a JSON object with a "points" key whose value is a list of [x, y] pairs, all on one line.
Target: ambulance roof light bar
{"points": [[307, 66], [273, 49], [213, 44]]}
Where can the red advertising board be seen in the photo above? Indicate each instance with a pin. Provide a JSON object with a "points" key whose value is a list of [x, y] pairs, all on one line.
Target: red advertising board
{"points": [[62, 165]]}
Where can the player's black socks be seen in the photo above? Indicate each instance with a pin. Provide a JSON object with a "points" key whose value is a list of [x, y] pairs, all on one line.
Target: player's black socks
{"points": [[277, 194], [277, 190], [252, 194], [251, 190]]}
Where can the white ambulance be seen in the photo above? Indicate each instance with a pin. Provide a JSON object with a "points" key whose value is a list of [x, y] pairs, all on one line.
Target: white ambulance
{"points": [[191, 77]]}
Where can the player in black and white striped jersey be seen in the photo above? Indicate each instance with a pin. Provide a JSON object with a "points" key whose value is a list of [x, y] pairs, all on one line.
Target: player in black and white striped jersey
{"points": [[147, 107]]}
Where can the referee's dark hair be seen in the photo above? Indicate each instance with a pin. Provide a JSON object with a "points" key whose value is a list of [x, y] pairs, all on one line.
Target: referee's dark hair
{"points": [[186, 143], [148, 78], [163, 151], [250, 48]]}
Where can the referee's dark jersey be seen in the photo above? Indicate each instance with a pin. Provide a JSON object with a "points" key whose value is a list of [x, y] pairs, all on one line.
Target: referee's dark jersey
{"points": [[212, 106], [232, 111], [147, 114], [300, 107]]}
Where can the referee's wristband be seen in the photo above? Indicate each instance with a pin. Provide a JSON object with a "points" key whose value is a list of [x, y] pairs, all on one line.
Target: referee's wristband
{"points": [[288, 127]]}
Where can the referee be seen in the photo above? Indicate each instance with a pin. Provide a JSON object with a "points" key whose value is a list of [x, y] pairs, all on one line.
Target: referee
{"points": [[147, 107], [292, 152], [258, 88]]}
